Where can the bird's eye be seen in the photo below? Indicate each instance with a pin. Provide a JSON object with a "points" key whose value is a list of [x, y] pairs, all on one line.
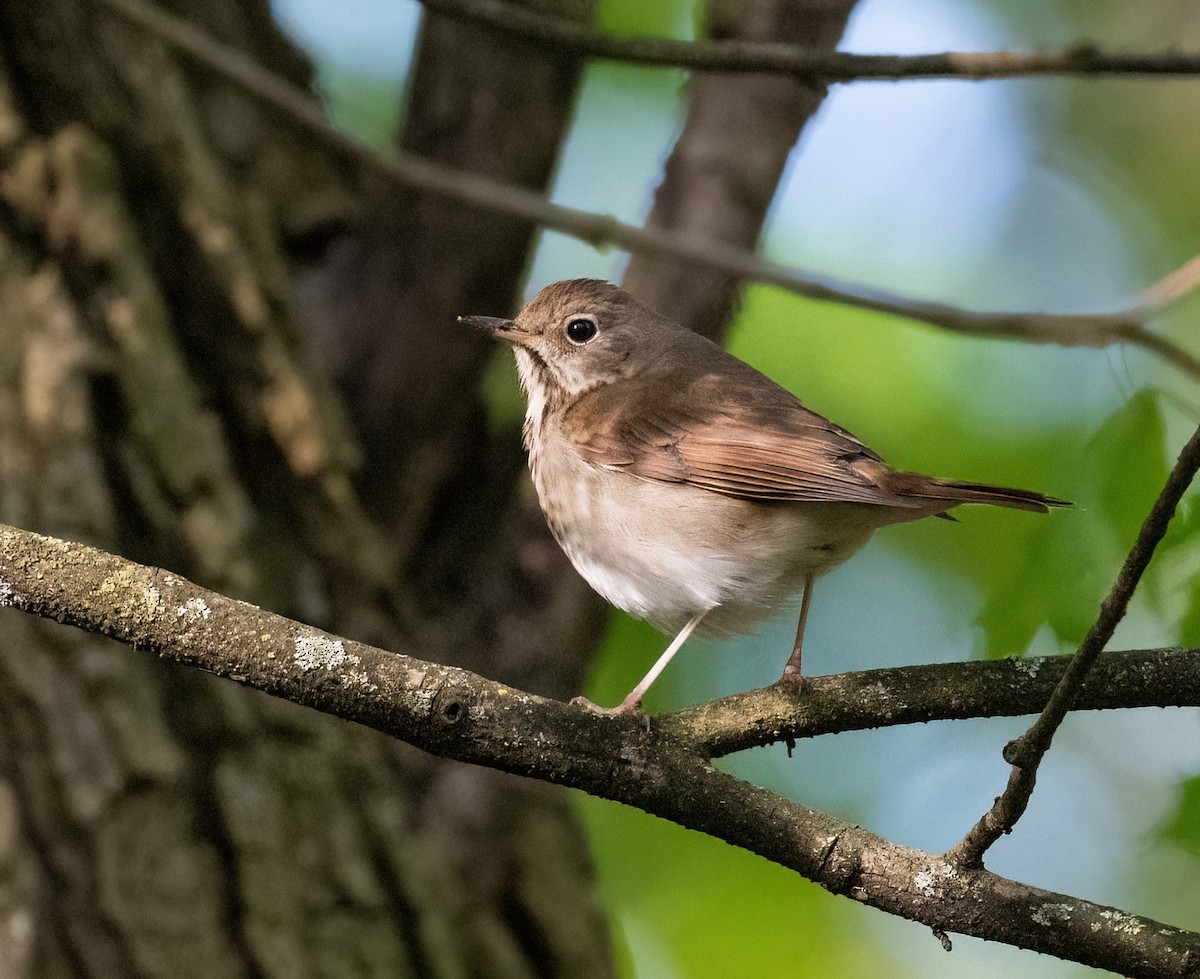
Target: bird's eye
{"points": [[580, 331]]}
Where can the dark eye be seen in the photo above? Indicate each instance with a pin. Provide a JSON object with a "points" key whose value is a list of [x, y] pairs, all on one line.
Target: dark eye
{"points": [[580, 331]]}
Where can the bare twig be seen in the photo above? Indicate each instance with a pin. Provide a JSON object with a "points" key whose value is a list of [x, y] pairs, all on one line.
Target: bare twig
{"points": [[1026, 752], [810, 63], [457, 714], [1067, 329]]}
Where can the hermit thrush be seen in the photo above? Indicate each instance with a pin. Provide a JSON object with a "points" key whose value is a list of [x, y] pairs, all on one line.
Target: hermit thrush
{"points": [[686, 487]]}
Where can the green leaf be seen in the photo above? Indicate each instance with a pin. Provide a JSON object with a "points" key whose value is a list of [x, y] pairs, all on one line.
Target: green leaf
{"points": [[1127, 461], [1065, 569], [636, 18], [1189, 625], [1058, 579], [1180, 566]]}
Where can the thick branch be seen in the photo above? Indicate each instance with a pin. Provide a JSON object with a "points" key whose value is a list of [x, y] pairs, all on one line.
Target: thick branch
{"points": [[811, 63], [454, 713], [1068, 329], [1025, 754]]}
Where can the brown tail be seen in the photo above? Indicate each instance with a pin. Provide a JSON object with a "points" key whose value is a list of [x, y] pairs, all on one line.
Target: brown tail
{"points": [[931, 488]]}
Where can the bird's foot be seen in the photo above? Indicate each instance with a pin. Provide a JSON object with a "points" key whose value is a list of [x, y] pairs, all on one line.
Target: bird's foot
{"points": [[633, 707], [791, 669]]}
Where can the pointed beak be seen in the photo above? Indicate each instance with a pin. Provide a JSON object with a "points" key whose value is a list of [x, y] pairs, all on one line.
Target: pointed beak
{"points": [[497, 327]]}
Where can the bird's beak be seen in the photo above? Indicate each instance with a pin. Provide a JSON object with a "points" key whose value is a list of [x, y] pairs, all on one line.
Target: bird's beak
{"points": [[502, 328]]}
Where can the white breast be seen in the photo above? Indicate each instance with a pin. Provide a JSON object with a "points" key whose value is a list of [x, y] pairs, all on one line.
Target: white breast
{"points": [[665, 551]]}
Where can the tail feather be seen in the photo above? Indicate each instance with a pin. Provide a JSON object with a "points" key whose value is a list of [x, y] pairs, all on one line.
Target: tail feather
{"points": [[930, 488]]}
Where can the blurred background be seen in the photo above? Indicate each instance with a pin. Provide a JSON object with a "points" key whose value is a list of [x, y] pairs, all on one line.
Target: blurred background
{"points": [[318, 850], [1047, 194]]}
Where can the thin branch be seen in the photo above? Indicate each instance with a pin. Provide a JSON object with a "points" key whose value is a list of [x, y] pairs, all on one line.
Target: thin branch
{"points": [[1025, 754], [457, 714], [1068, 329], [809, 63], [871, 699]]}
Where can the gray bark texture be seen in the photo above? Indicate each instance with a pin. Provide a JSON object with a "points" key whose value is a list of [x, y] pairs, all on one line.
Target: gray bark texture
{"points": [[157, 398]]}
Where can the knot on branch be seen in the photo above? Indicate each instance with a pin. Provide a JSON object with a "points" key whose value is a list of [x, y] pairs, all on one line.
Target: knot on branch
{"points": [[840, 869], [450, 707], [1015, 752]]}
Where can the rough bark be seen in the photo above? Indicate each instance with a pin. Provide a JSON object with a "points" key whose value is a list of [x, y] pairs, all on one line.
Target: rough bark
{"points": [[156, 398]]}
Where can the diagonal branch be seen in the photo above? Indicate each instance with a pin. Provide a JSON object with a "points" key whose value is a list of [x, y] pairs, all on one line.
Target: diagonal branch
{"points": [[1025, 754], [457, 714], [810, 63], [1066, 329]]}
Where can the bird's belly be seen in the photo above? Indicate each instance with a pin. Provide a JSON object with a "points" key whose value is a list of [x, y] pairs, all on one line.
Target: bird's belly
{"points": [[665, 551]]}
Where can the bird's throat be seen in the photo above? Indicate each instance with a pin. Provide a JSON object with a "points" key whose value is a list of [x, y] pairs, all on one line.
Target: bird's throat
{"points": [[539, 389]]}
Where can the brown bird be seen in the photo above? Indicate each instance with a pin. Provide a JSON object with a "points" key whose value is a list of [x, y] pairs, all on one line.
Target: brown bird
{"points": [[686, 487]]}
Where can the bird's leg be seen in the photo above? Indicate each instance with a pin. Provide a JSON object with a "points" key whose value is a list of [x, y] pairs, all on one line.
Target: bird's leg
{"points": [[632, 703], [791, 669]]}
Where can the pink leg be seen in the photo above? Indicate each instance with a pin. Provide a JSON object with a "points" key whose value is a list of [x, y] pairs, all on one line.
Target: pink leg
{"points": [[631, 703], [791, 669]]}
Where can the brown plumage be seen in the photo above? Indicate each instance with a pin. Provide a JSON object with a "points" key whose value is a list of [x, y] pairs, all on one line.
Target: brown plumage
{"points": [[687, 487]]}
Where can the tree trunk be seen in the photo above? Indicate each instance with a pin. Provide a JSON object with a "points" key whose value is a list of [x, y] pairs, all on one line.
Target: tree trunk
{"points": [[157, 399]]}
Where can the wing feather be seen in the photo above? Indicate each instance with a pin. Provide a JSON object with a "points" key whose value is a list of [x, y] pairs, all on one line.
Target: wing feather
{"points": [[688, 429]]}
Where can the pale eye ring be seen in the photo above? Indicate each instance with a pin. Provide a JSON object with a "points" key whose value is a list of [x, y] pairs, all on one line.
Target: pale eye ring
{"points": [[580, 330]]}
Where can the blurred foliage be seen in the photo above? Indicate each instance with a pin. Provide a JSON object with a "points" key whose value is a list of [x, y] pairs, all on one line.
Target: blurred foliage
{"points": [[636, 18], [365, 106], [1182, 544], [1060, 576], [680, 899]]}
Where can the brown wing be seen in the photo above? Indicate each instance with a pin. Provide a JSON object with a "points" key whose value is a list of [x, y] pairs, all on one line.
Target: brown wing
{"points": [[762, 443]]}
